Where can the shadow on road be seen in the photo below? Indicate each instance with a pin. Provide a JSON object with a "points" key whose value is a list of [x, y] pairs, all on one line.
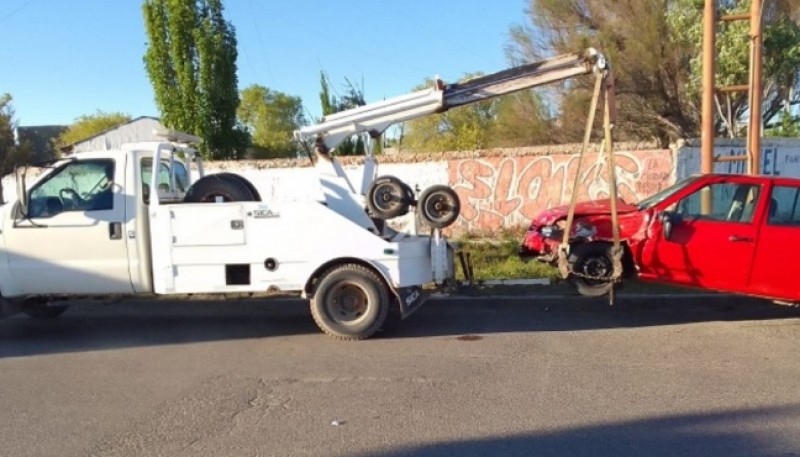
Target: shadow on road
{"points": [[752, 432], [152, 323], [552, 314], [165, 322]]}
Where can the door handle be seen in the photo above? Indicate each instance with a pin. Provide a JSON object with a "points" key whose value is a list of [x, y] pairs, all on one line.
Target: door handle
{"points": [[739, 239], [115, 230]]}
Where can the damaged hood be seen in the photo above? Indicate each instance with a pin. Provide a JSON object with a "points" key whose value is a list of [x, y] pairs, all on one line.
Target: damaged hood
{"points": [[585, 208]]}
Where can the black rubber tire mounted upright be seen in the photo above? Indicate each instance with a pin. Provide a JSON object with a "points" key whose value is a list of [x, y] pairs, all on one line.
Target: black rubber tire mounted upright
{"points": [[207, 188], [593, 259], [350, 302], [439, 206], [239, 178], [389, 197]]}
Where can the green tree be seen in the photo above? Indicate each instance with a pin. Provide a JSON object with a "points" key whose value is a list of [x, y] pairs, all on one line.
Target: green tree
{"points": [[781, 66], [352, 98], [459, 129], [191, 62], [521, 119], [654, 48], [89, 125], [11, 154], [271, 117]]}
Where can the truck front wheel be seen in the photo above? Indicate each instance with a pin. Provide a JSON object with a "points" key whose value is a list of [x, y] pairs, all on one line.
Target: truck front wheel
{"points": [[350, 302]]}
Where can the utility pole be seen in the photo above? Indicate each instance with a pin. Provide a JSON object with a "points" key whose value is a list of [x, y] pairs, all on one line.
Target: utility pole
{"points": [[756, 57], [709, 69]]}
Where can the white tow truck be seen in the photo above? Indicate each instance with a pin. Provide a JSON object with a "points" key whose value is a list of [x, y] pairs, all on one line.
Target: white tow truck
{"points": [[135, 221]]}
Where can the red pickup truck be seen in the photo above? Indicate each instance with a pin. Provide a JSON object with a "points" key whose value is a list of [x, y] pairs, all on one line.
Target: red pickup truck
{"points": [[729, 233]]}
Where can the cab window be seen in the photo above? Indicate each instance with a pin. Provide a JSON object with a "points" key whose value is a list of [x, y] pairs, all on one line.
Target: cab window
{"points": [[164, 177], [85, 185], [729, 202], [783, 206]]}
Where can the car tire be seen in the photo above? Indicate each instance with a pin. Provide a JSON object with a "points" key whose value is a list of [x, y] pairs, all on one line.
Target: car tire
{"points": [[350, 302], [594, 259]]}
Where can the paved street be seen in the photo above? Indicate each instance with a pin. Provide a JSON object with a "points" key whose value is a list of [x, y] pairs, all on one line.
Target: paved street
{"points": [[494, 376]]}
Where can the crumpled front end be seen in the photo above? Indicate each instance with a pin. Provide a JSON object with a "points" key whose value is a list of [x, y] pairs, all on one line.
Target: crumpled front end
{"points": [[592, 221], [542, 241]]}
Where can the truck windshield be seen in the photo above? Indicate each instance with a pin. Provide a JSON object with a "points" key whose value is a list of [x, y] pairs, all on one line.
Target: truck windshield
{"points": [[659, 197]]}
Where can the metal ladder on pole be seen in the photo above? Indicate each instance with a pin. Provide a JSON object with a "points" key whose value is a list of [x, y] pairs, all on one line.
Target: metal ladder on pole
{"points": [[753, 88]]}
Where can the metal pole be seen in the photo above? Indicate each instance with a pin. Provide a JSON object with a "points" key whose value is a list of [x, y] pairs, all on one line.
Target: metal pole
{"points": [[756, 49], [709, 63]]}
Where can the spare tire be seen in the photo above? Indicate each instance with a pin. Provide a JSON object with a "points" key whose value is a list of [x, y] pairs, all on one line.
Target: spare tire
{"points": [[242, 179], [223, 185]]}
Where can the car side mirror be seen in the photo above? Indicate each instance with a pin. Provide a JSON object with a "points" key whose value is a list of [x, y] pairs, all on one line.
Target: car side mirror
{"points": [[668, 220]]}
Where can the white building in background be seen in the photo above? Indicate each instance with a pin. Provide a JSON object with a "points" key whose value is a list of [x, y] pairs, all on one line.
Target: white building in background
{"points": [[133, 131]]}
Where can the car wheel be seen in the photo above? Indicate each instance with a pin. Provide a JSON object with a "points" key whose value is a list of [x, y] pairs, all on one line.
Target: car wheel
{"points": [[350, 302], [592, 266]]}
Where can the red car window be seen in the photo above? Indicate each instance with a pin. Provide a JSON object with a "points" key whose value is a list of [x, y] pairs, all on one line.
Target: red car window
{"points": [[783, 206], [730, 202]]}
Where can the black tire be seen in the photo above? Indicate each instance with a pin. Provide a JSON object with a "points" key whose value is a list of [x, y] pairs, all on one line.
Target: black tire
{"points": [[350, 302], [594, 259], [439, 206], [388, 197], [43, 311], [209, 187], [239, 178]]}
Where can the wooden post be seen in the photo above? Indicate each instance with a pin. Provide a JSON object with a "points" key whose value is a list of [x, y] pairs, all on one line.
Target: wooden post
{"points": [[756, 57], [709, 64]]}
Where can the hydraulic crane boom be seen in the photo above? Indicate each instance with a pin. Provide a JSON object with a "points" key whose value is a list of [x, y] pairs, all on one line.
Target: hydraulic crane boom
{"points": [[344, 198], [376, 117]]}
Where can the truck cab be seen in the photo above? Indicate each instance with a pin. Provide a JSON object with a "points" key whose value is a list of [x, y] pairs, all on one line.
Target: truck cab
{"points": [[722, 232]]}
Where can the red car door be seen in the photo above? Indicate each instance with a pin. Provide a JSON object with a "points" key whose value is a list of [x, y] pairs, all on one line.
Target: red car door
{"points": [[711, 248], [774, 273]]}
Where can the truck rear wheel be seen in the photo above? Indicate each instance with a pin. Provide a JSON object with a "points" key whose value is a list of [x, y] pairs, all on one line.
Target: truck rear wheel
{"points": [[350, 302], [227, 186]]}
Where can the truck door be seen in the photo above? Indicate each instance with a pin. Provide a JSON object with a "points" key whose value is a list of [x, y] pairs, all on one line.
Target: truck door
{"points": [[73, 239], [777, 247], [710, 247]]}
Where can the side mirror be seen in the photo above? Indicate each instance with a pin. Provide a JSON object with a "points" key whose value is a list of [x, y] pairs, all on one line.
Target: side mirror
{"points": [[22, 190], [668, 221]]}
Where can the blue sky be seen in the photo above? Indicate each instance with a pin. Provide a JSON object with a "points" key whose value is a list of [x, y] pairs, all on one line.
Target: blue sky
{"points": [[65, 58]]}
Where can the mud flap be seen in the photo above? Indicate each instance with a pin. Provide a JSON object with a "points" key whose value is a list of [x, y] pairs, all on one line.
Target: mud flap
{"points": [[410, 298]]}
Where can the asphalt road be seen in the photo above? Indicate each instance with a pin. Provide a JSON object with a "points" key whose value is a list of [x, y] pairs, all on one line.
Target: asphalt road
{"points": [[488, 377]]}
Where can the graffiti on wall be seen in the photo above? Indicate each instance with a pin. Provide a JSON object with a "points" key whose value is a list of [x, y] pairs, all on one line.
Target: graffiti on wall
{"points": [[500, 192]]}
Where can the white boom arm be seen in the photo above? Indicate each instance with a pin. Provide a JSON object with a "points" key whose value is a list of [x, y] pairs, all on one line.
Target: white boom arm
{"points": [[376, 117], [342, 197]]}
